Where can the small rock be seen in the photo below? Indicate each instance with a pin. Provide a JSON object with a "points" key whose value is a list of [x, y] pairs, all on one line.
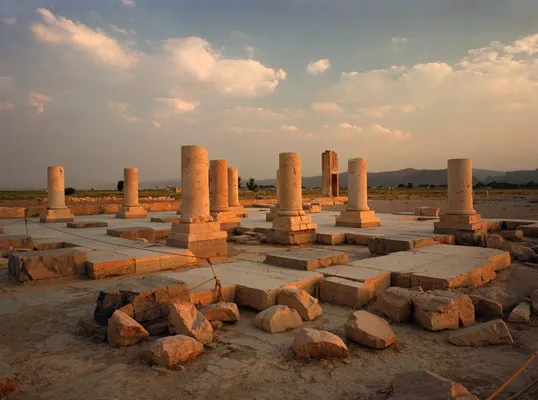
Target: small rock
{"points": [[491, 332], [464, 304], [158, 328], [396, 303], [521, 314], [278, 319], [494, 241], [522, 281], [486, 308], [222, 311], [300, 301], [311, 343], [369, 330], [122, 330], [185, 319], [253, 242], [174, 350], [534, 299], [436, 312], [8, 381], [216, 325], [519, 252], [513, 236], [425, 385]]}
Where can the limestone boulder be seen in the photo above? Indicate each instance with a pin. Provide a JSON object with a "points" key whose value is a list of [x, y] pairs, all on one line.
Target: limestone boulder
{"points": [[466, 311], [396, 303], [302, 302], [185, 319], [487, 333], [425, 385], [369, 330], [222, 311], [122, 330], [8, 381], [436, 312], [521, 314], [174, 350], [311, 343], [278, 319], [486, 308], [494, 242]]}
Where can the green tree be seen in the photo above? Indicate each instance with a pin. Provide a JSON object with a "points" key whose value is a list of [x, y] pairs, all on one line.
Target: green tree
{"points": [[69, 191], [252, 185], [120, 186]]}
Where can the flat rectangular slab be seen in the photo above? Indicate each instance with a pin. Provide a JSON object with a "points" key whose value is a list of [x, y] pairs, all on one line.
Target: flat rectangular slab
{"points": [[344, 292], [390, 244], [139, 232], [87, 224], [306, 258], [166, 219], [379, 280]]}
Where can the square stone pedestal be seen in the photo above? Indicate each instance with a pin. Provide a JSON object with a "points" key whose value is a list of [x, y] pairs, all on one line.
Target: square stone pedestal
{"points": [[358, 219], [292, 230], [270, 216], [131, 212], [467, 229], [227, 219], [203, 240], [61, 215], [239, 211]]}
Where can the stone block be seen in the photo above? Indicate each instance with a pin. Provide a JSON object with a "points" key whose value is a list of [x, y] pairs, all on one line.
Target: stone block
{"points": [[61, 215], [185, 319], [306, 259], [277, 319], [47, 266], [385, 245], [486, 308], [10, 242], [300, 301], [379, 281], [345, 292], [203, 240], [396, 303], [513, 235], [104, 264], [167, 219], [357, 219], [311, 343], [135, 232], [369, 330], [521, 314], [132, 212], [292, 238], [494, 242], [122, 330], [530, 230], [464, 304], [87, 224], [222, 311], [331, 238], [436, 312], [173, 351], [12, 212], [485, 334], [519, 252]]}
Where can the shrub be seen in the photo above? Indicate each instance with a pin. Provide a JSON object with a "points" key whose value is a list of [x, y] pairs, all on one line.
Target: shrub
{"points": [[70, 191]]}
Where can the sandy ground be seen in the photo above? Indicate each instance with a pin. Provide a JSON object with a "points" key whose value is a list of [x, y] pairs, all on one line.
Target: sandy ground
{"points": [[243, 362]]}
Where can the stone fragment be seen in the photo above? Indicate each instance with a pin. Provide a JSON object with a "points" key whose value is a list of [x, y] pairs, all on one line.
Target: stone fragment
{"points": [[222, 311], [369, 330], [396, 303], [174, 350], [425, 385], [521, 314], [8, 381], [513, 236], [486, 308], [464, 304], [278, 319], [311, 343], [519, 252], [436, 312], [534, 299], [302, 302], [122, 330], [494, 242], [216, 325], [345, 292], [491, 332], [185, 319]]}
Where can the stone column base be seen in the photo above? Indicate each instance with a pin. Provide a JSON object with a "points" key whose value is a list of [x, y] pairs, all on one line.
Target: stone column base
{"points": [[61, 215], [358, 219], [131, 212], [270, 216], [292, 230], [467, 229], [203, 240], [239, 211], [227, 219]]}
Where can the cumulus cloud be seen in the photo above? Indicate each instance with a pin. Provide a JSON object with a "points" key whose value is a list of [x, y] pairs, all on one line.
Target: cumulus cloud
{"points": [[9, 20], [347, 125], [289, 128], [157, 125], [38, 100], [398, 43], [179, 106], [195, 58], [121, 109], [95, 43], [318, 67], [394, 134], [328, 108]]}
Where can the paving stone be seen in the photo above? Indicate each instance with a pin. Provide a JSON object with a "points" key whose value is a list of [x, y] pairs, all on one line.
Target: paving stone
{"points": [[378, 280], [311, 343], [124, 331], [369, 330], [278, 319], [487, 333], [185, 319], [87, 224], [302, 302], [396, 303], [521, 314], [306, 259], [466, 312], [332, 239], [436, 312], [173, 351], [425, 385], [345, 292], [166, 219], [486, 308], [222, 311], [8, 380]]}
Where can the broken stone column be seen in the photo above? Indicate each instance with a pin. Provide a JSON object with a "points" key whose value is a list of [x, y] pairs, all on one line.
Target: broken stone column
{"points": [[196, 230], [461, 218], [233, 193], [329, 174], [291, 226], [274, 209], [131, 208], [357, 213], [218, 186], [56, 210]]}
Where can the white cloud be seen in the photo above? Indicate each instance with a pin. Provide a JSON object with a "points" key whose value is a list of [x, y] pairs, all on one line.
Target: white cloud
{"points": [[129, 3], [398, 43], [318, 67], [178, 105], [10, 20], [347, 125], [6, 106], [394, 134], [380, 111], [195, 58], [289, 128], [328, 108], [157, 125], [38, 101], [121, 110], [60, 30]]}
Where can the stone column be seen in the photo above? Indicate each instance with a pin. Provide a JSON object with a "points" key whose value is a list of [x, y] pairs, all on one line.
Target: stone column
{"points": [[131, 208], [274, 209], [460, 187], [220, 211], [196, 230], [56, 210], [357, 213], [233, 187], [291, 226]]}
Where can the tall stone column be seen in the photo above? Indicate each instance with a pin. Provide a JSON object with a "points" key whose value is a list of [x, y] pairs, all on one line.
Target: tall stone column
{"points": [[329, 174], [219, 208], [461, 219], [274, 209], [196, 230], [233, 193], [291, 226], [131, 208], [56, 210], [357, 213]]}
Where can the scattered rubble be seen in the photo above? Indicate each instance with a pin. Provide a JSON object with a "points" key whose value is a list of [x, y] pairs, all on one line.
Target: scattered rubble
{"points": [[486, 308], [464, 304], [124, 331], [369, 330], [185, 319], [520, 252], [278, 319], [491, 332], [300, 301], [174, 350], [222, 311], [521, 314], [311, 343]]}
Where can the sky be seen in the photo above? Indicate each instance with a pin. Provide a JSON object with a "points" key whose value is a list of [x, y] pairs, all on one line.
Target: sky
{"points": [[99, 85]]}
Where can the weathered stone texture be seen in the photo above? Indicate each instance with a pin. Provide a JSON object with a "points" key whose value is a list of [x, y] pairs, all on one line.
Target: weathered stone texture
{"points": [[185, 319], [174, 350], [311, 343], [369, 330], [487, 333], [124, 331], [521, 314], [278, 319], [302, 302], [223, 312]]}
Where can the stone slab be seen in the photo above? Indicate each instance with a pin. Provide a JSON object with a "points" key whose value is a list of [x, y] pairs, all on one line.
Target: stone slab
{"points": [[87, 224], [345, 292], [16, 242], [331, 238], [167, 219], [306, 258], [378, 280], [139, 232], [390, 244]]}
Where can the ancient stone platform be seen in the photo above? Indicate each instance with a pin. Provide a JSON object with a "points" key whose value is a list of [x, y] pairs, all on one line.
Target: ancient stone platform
{"points": [[378, 280], [87, 224], [306, 258], [139, 232]]}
